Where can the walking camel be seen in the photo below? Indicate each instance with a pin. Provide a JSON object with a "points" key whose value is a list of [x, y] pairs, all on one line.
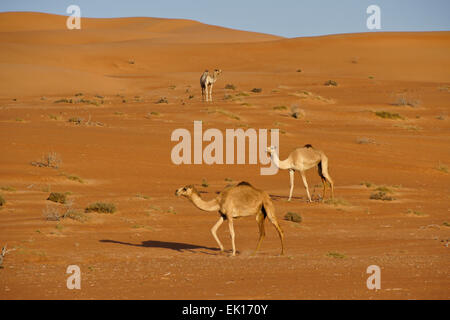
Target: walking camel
{"points": [[207, 81], [241, 200], [302, 159]]}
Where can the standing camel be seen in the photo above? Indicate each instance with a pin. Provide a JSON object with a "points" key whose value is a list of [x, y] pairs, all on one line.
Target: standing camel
{"points": [[207, 81], [302, 159], [233, 202]]}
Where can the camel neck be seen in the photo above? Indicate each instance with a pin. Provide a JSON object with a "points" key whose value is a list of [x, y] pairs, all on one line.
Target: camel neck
{"points": [[210, 205], [282, 164]]}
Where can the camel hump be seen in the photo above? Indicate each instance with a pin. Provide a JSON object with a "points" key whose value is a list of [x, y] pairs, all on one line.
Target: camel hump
{"points": [[307, 146], [244, 183]]}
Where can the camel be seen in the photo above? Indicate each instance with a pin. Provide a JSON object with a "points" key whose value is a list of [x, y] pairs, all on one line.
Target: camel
{"points": [[236, 201], [207, 81], [302, 159]]}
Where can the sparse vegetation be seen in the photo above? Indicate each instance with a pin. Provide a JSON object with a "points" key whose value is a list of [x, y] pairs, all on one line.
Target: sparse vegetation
{"points": [[226, 113], [64, 100], [380, 195], [383, 189], [74, 178], [331, 83], [406, 100], [367, 184], [51, 213], [205, 183], [162, 100], [280, 108], [442, 167], [7, 188], [256, 90], [76, 120], [78, 94], [445, 223], [337, 202], [299, 70], [364, 140], [388, 115], [101, 207], [292, 216], [336, 255], [230, 87], [415, 212], [57, 197], [242, 94], [50, 160], [296, 112]]}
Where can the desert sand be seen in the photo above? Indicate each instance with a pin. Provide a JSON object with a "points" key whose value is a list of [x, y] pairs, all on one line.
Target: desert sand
{"points": [[113, 139]]}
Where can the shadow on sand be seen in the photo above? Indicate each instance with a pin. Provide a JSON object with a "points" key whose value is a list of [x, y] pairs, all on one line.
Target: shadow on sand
{"points": [[177, 246]]}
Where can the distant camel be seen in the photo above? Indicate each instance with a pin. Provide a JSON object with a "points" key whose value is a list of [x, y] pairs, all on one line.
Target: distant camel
{"points": [[233, 202], [302, 159], [207, 81]]}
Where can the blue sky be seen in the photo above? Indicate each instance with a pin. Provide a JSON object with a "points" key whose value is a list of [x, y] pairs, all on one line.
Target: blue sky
{"points": [[288, 18]]}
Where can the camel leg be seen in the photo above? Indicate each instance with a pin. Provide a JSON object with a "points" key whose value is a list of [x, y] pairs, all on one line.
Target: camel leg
{"points": [[210, 93], [231, 227], [291, 178], [203, 94], [270, 210], [260, 219], [214, 230], [305, 183], [324, 183]]}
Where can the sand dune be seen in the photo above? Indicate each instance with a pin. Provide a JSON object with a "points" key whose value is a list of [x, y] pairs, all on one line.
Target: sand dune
{"points": [[91, 96]]}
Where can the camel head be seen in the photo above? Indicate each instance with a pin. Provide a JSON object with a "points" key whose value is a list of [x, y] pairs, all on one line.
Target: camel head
{"points": [[217, 72], [271, 149], [185, 191]]}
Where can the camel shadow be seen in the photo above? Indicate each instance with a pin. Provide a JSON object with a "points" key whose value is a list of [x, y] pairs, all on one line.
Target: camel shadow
{"points": [[177, 246]]}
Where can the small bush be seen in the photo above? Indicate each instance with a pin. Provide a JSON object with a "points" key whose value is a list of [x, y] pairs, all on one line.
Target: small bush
{"points": [[388, 115], [50, 160], [336, 255], [76, 120], [256, 90], [296, 112], [65, 100], [367, 184], [280, 108], [7, 188], [51, 213], [162, 100], [230, 86], [380, 195], [331, 83], [101, 207], [442, 167], [406, 100], [57, 197], [292, 216]]}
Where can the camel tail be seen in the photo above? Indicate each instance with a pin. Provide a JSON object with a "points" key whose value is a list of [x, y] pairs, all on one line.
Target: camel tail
{"points": [[269, 210]]}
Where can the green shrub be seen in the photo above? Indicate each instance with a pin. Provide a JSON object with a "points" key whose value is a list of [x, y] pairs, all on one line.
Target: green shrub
{"points": [[101, 207], [331, 83], [292, 216], [388, 115], [57, 197]]}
